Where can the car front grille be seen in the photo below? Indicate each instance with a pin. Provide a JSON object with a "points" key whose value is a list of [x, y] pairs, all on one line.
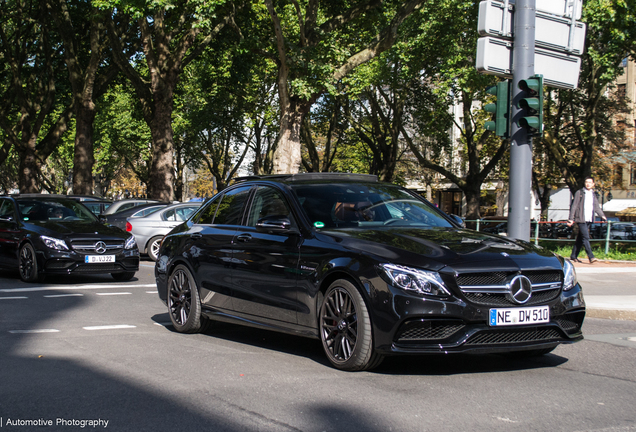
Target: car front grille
{"points": [[113, 247], [494, 337], [498, 299], [490, 288]]}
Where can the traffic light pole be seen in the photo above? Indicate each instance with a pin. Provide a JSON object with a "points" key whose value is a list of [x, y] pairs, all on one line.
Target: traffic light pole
{"points": [[520, 199]]}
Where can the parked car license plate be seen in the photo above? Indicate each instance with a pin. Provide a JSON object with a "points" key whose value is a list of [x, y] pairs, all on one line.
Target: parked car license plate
{"points": [[99, 259], [519, 316]]}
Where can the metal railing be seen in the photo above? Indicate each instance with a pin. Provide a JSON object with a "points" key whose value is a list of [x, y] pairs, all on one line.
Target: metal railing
{"points": [[536, 231]]}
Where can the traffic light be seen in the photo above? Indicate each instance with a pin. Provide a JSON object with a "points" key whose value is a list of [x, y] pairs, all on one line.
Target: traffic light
{"points": [[500, 108], [532, 104]]}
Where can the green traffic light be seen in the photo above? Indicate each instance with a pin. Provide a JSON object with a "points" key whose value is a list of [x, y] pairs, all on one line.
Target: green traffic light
{"points": [[500, 109], [530, 123], [532, 104]]}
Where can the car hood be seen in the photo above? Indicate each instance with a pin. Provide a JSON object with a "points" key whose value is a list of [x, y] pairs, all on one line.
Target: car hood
{"points": [[460, 250], [78, 228]]}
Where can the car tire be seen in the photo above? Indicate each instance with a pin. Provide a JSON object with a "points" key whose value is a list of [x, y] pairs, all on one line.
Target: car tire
{"points": [[123, 276], [345, 328], [184, 304], [28, 264], [153, 247]]}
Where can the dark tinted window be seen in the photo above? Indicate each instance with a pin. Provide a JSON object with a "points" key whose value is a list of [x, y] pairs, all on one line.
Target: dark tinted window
{"points": [[6, 209], [207, 214], [59, 210], [267, 202], [365, 205], [231, 207]]}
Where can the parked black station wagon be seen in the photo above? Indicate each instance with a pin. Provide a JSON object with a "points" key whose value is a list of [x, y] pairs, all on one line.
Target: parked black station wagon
{"points": [[52, 234], [369, 268]]}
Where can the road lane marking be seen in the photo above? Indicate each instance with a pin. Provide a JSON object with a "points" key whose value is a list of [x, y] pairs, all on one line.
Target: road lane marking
{"points": [[35, 331], [74, 287], [109, 327], [13, 298], [113, 293], [163, 324], [63, 295]]}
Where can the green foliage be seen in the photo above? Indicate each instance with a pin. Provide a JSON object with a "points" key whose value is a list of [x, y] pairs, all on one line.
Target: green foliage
{"points": [[122, 138]]}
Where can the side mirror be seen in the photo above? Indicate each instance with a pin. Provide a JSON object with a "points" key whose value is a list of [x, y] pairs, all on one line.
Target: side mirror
{"points": [[102, 219], [458, 220], [274, 224]]}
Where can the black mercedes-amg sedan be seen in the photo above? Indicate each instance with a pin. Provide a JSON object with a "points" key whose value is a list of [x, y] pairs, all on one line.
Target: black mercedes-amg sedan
{"points": [[51, 234], [370, 269]]}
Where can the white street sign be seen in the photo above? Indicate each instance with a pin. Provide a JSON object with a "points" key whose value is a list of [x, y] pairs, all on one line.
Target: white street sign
{"points": [[563, 8], [551, 31], [560, 70]]}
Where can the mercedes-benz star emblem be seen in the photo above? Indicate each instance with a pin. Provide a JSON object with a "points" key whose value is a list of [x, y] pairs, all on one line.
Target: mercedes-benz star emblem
{"points": [[520, 289], [100, 247]]}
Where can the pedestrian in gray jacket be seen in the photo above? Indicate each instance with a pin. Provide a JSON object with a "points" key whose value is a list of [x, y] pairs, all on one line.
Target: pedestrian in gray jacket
{"points": [[584, 206]]}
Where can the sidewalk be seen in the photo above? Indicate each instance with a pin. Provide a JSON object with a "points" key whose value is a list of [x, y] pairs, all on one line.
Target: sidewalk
{"points": [[621, 307]]}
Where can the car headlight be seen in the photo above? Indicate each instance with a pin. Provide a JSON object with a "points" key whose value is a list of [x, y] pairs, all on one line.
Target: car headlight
{"points": [[419, 281], [130, 243], [569, 276], [53, 243]]}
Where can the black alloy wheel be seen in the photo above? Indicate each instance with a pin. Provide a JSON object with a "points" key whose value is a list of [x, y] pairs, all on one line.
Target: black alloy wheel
{"points": [[28, 264], [345, 329], [184, 305]]}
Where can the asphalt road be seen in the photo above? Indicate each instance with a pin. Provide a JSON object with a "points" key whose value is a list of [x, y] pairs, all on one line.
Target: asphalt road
{"points": [[95, 353]]}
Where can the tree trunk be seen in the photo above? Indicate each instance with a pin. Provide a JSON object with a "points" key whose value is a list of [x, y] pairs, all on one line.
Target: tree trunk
{"points": [[472, 203], [29, 167], [161, 177], [84, 159], [287, 157]]}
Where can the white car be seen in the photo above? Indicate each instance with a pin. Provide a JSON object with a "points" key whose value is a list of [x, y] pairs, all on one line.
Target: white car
{"points": [[149, 230]]}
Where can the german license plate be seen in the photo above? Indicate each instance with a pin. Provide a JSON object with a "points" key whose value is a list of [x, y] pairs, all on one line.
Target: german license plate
{"points": [[92, 259], [519, 316]]}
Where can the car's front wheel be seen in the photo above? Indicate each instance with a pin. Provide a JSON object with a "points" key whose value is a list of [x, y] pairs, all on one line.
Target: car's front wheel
{"points": [[153, 247], [184, 304], [28, 265], [345, 328]]}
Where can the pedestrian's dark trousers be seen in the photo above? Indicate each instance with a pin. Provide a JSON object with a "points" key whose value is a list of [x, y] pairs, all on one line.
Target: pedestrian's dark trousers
{"points": [[583, 239]]}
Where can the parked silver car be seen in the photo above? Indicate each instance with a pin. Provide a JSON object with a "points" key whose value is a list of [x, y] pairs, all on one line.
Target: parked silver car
{"points": [[126, 204], [150, 229]]}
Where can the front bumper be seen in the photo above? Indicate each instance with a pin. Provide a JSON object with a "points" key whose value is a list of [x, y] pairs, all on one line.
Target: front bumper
{"points": [[408, 324], [65, 263]]}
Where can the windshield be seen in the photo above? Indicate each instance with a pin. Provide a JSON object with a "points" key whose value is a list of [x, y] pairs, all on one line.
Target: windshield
{"points": [[364, 205], [54, 210]]}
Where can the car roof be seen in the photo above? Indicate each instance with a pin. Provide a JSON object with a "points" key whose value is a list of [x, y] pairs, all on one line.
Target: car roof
{"points": [[38, 196], [316, 177]]}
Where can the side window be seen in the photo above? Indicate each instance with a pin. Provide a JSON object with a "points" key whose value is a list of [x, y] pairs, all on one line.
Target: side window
{"points": [[231, 207], [184, 213], [170, 215], [207, 215], [267, 202], [6, 209]]}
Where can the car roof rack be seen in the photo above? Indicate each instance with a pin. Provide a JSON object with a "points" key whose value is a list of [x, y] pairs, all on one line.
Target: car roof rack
{"points": [[312, 176]]}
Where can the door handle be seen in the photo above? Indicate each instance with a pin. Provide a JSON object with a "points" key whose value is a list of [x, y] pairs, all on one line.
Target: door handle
{"points": [[244, 238], [196, 236]]}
